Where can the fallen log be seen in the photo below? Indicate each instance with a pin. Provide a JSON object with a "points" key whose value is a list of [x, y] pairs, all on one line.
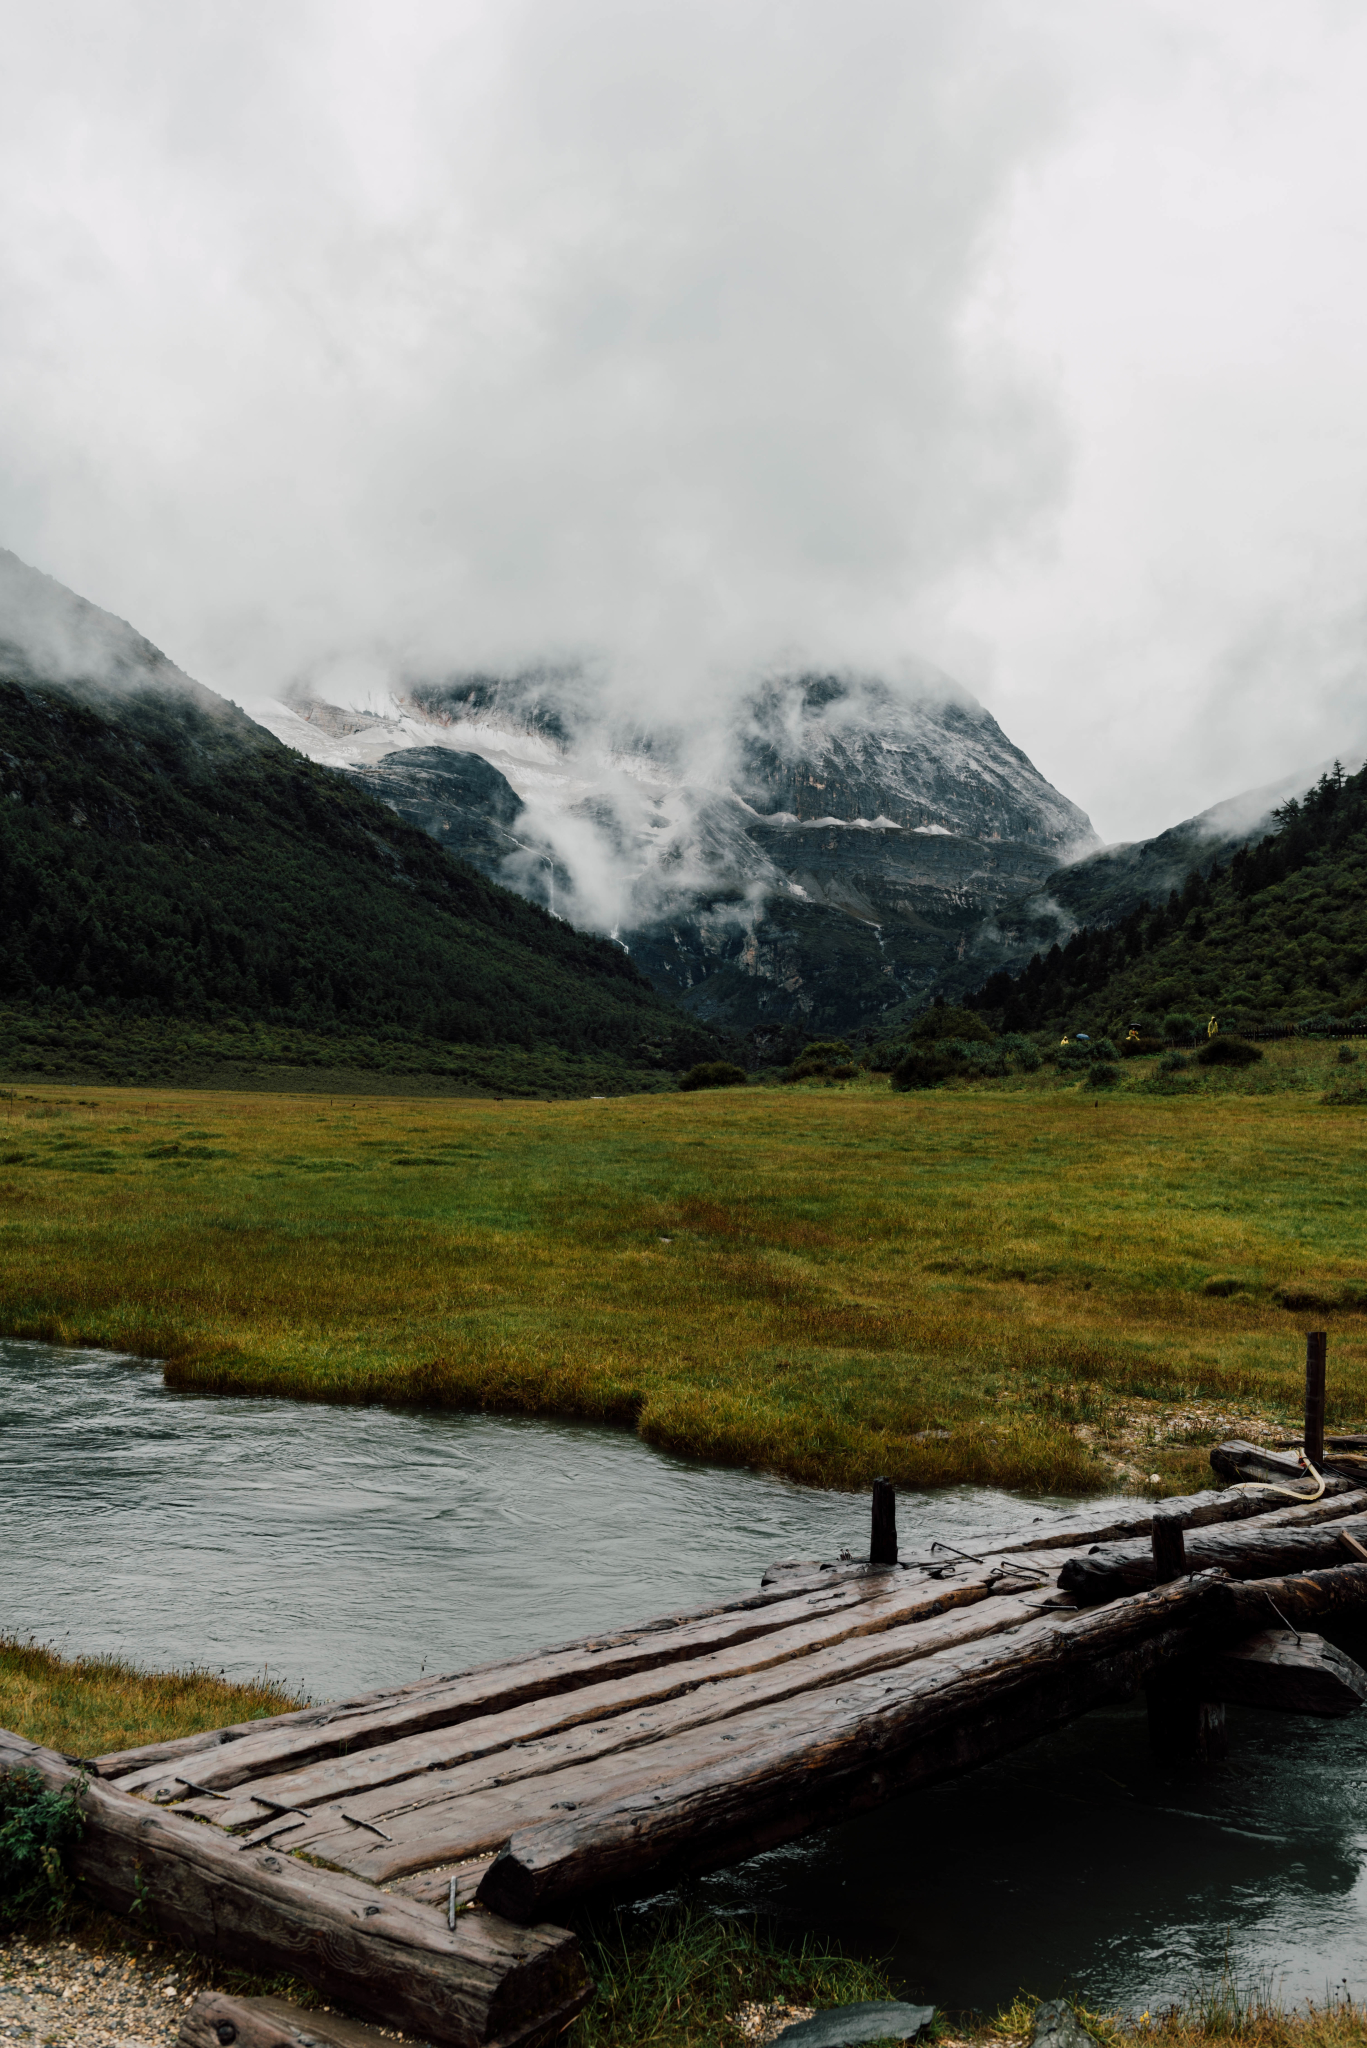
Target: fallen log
{"points": [[1256, 1465], [480, 1982], [1296, 1674], [1113, 1570]]}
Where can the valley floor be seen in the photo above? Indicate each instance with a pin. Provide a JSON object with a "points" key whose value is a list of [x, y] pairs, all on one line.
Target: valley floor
{"points": [[1022, 1284]]}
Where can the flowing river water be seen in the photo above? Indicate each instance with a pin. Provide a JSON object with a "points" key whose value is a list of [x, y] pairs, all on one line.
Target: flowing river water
{"points": [[341, 1548]]}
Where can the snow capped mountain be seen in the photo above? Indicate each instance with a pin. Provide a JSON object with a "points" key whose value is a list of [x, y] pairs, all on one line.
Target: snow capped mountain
{"points": [[817, 852]]}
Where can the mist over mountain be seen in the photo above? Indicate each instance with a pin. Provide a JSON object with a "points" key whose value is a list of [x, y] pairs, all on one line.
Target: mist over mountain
{"points": [[163, 857], [814, 849]]}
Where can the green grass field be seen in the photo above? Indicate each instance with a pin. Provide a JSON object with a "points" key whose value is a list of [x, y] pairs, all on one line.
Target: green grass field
{"points": [[1021, 1283]]}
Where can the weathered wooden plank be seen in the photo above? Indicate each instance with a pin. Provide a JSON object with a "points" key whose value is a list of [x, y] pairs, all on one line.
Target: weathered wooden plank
{"points": [[901, 1602], [420, 1693], [497, 1688], [216, 2020], [450, 1816], [893, 1601], [881, 1735], [1116, 1569], [1296, 1674], [475, 1983]]}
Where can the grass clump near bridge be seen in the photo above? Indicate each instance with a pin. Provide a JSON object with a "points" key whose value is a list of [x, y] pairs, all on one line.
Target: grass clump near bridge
{"points": [[1018, 1283], [96, 1705]]}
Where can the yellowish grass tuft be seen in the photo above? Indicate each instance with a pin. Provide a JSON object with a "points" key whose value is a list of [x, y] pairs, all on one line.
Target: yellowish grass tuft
{"points": [[94, 1706]]}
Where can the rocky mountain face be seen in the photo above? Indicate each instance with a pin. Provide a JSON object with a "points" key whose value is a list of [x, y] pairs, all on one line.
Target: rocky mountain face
{"points": [[819, 856]]}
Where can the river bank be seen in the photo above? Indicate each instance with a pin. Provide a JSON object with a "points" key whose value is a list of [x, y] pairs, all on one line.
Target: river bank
{"points": [[995, 1288]]}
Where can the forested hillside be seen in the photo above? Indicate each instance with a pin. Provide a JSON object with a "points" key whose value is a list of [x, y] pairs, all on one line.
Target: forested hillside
{"points": [[1278, 936], [162, 857]]}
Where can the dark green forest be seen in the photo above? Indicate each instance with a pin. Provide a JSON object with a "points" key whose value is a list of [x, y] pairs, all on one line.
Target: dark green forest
{"points": [[163, 858], [1277, 937]]}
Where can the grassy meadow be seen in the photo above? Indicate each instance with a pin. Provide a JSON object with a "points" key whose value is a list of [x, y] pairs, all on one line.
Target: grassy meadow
{"points": [[1025, 1283]]}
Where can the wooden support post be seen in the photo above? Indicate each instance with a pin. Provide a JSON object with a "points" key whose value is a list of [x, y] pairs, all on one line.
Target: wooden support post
{"points": [[1316, 1345], [1169, 1547], [883, 1541], [1184, 1728]]}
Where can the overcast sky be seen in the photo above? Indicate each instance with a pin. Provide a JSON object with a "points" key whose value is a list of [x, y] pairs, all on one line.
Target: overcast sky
{"points": [[1026, 338]]}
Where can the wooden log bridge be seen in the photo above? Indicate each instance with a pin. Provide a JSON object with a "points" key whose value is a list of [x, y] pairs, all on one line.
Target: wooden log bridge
{"points": [[408, 1851]]}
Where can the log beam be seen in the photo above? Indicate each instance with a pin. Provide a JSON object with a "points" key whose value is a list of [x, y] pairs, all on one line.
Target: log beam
{"points": [[479, 1982]]}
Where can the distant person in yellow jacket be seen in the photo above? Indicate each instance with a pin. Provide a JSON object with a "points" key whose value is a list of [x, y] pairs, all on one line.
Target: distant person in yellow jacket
{"points": [[1211, 1028]]}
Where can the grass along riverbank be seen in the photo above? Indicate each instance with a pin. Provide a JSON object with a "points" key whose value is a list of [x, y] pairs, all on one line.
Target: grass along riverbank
{"points": [[1017, 1285], [93, 1706]]}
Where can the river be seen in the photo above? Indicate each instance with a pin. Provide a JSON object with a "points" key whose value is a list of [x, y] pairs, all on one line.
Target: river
{"points": [[341, 1548]]}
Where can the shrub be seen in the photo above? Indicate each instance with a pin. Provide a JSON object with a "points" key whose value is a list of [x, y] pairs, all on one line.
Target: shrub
{"points": [[1346, 1055], [1102, 1075], [922, 1068], [1104, 1049], [714, 1074], [1179, 1028], [943, 1021], [825, 1059], [1171, 1063], [1023, 1051], [35, 1826], [1221, 1051]]}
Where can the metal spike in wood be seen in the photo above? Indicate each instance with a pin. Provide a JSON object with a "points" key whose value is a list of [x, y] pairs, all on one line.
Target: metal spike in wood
{"points": [[1316, 1347], [883, 1540], [1169, 1547]]}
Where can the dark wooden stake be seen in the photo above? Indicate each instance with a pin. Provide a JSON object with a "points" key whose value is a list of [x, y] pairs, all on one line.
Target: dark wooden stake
{"points": [[883, 1541], [1316, 1345], [1184, 1728], [1169, 1547]]}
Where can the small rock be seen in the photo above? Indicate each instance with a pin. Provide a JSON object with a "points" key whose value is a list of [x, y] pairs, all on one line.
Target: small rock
{"points": [[845, 2026], [1058, 2026]]}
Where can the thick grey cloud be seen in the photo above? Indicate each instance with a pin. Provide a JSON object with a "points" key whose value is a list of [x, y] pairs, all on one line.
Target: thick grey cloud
{"points": [[338, 338]]}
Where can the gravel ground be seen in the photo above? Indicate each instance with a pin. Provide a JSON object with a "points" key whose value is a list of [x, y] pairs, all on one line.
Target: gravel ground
{"points": [[74, 1991]]}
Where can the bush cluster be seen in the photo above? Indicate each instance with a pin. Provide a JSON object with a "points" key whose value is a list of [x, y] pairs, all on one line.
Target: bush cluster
{"points": [[35, 1827], [1224, 1051], [714, 1074], [825, 1059], [985, 1058]]}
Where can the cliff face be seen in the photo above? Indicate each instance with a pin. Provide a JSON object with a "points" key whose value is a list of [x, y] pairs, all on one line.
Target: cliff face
{"points": [[824, 853]]}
